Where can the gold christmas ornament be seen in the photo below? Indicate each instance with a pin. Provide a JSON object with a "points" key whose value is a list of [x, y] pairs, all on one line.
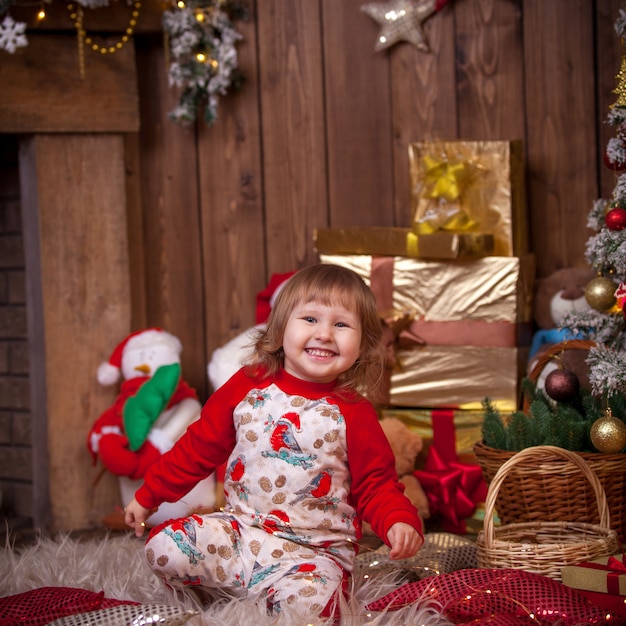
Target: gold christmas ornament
{"points": [[608, 434], [401, 20], [600, 293]]}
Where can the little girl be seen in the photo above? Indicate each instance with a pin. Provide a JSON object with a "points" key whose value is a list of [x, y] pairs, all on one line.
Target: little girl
{"points": [[306, 459]]}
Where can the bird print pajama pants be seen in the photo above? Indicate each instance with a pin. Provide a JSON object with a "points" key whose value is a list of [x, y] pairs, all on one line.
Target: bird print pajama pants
{"points": [[247, 562]]}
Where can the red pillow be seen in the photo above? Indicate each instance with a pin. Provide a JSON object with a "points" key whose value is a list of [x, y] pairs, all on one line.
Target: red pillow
{"points": [[499, 597], [40, 606]]}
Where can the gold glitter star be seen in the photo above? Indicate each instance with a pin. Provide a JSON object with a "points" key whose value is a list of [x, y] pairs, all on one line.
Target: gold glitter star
{"points": [[401, 20]]}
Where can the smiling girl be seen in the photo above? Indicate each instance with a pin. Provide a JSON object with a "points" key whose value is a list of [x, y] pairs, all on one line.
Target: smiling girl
{"points": [[307, 460]]}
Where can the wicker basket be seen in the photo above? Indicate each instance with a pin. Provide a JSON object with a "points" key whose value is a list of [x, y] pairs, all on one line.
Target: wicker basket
{"points": [[544, 547], [531, 494], [553, 490]]}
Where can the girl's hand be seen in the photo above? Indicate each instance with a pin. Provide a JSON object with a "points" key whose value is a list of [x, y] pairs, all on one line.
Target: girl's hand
{"points": [[135, 516], [404, 541]]}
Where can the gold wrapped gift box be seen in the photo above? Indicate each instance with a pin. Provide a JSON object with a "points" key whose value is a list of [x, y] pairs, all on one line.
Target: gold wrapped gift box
{"points": [[473, 186], [490, 290], [390, 241], [605, 575], [469, 330], [468, 427], [458, 377]]}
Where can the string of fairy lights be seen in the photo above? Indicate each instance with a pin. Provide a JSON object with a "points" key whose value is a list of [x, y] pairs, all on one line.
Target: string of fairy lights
{"points": [[200, 40]]}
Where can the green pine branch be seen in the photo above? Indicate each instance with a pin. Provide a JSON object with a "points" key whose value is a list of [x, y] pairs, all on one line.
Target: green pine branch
{"points": [[563, 424]]}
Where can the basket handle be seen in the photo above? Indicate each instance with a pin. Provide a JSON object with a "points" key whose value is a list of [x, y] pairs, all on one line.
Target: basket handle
{"points": [[551, 352], [535, 453], [554, 350]]}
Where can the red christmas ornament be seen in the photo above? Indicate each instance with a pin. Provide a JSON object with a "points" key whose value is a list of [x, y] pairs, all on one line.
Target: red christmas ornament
{"points": [[562, 385], [616, 166], [616, 219]]}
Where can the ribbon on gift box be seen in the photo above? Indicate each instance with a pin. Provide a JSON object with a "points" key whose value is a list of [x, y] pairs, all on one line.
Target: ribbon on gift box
{"points": [[614, 568], [444, 180], [415, 332], [453, 489]]}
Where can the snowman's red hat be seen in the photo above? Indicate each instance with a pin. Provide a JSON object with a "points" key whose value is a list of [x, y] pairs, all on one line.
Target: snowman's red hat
{"points": [[109, 371]]}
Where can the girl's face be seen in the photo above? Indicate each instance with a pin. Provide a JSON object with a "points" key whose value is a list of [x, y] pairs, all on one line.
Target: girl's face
{"points": [[321, 341]]}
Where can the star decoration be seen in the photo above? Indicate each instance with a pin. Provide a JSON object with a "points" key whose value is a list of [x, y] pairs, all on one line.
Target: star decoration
{"points": [[401, 20]]}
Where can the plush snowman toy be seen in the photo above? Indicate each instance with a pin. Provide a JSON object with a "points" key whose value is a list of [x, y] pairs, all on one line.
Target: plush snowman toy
{"points": [[153, 409]]}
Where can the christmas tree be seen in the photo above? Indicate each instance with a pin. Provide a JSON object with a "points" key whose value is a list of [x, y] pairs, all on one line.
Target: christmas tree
{"points": [[606, 254], [594, 420]]}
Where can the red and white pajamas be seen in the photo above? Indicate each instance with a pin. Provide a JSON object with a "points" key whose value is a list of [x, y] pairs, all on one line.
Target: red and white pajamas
{"points": [[305, 465]]}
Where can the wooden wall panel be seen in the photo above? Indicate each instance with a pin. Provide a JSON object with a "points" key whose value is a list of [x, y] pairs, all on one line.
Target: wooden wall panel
{"points": [[112, 18], [561, 141], [424, 100], [74, 211], [170, 226], [609, 51], [490, 70], [293, 129], [231, 188], [358, 111], [42, 89], [134, 220]]}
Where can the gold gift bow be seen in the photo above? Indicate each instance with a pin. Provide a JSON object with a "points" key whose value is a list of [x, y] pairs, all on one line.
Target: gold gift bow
{"points": [[444, 178], [444, 182]]}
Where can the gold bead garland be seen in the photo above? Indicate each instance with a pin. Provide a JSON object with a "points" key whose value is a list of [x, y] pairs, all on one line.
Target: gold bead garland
{"points": [[77, 16]]}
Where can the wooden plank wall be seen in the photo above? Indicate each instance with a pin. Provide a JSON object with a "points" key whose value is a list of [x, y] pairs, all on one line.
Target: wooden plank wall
{"points": [[319, 133]]}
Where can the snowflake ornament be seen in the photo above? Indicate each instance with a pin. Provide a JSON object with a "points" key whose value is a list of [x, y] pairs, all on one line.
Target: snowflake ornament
{"points": [[12, 34]]}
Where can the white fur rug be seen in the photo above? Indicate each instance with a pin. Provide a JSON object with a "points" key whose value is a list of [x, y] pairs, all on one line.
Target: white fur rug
{"points": [[115, 564]]}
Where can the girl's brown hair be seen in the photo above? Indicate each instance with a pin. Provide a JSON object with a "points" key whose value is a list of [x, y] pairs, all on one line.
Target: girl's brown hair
{"points": [[326, 284]]}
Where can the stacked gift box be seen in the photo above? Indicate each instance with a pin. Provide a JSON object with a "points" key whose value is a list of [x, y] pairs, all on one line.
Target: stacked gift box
{"points": [[454, 289]]}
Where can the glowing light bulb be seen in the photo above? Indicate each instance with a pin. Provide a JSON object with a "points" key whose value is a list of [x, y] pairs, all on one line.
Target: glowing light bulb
{"points": [[41, 14], [201, 57], [180, 4]]}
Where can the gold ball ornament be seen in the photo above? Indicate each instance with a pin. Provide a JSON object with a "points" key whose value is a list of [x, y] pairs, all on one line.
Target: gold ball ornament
{"points": [[608, 434], [600, 294]]}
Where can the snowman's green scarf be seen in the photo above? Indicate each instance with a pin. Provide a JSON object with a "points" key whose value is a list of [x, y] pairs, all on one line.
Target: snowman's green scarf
{"points": [[142, 410]]}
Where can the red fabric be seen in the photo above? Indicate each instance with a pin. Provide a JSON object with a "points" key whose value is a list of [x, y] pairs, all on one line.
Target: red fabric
{"points": [[375, 491], [499, 597], [45, 604], [613, 604]]}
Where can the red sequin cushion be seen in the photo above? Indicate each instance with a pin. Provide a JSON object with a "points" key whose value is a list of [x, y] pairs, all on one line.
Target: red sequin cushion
{"points": [[40, 606], [499, 597]]}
